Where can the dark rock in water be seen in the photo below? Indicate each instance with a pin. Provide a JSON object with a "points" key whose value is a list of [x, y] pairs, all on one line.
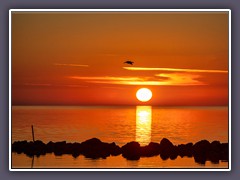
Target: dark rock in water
{"points": [[114, 149], [19, 146], [201, 146], [165, 143], [214, 153], [50, 147], [200, 151], [59, 148], [29, 148], [201, 159], [152, 149], [92, 142], [94, 149], [39, 148], [131, 151], [215, 145], [224, 153], [76, 149], [218, 152], [167, 149], [185, 149], [174, 154], [68, 149]]}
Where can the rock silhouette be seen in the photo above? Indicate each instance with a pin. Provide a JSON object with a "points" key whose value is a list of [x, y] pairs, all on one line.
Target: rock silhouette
{"points": [[131, 151], [168, 150], [185, 150], [201, 150], [94, 148], [152, 149]]}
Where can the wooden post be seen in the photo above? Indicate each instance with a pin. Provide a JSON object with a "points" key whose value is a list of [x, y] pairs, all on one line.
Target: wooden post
{"points": [[33, 134]]}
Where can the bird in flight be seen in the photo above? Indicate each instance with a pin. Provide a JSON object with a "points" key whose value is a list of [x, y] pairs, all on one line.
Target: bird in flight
{"points": [[129, 62]]}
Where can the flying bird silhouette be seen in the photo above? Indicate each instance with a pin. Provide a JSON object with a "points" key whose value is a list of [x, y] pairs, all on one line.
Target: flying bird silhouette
{"points": [[129, 62]]}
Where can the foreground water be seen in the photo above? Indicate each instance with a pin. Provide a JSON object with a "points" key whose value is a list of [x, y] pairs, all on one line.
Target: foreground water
{"points": [[120, 125]]}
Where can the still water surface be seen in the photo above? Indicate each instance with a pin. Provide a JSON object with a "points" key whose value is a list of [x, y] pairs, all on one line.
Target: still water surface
{"points": [[117, 124]]}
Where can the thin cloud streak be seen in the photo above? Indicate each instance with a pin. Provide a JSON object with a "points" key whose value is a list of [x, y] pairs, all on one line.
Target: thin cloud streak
{"points": [[72, 65], [108, 78], [153, 83], [107, 87], [54, 85], [174, 70], [37, 84]]}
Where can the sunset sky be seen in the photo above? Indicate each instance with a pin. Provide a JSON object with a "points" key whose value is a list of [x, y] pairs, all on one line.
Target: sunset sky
{"points": [[77, 58]]}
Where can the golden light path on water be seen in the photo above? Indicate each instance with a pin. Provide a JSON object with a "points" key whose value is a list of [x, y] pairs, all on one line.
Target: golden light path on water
{"points": [[143, 124]]}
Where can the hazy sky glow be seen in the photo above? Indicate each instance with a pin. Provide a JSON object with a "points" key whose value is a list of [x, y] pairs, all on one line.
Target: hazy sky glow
{"points": [[77, 58]]}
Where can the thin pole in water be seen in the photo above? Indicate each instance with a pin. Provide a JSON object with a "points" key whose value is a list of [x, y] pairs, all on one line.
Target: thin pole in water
{"points": [[33, 134]]}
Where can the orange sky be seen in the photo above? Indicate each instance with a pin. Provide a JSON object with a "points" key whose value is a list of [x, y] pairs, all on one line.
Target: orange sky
{"points": [[77, 58]]}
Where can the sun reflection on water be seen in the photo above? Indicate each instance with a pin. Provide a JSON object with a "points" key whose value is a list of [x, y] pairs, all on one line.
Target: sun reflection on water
{"points": [[143, 124]]}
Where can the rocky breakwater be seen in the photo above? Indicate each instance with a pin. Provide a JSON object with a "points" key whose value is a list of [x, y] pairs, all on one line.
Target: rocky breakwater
{"points": [[94, 148]]}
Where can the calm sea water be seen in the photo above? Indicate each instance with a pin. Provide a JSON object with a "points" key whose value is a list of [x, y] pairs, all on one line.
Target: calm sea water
{"points": [[117, 124]]}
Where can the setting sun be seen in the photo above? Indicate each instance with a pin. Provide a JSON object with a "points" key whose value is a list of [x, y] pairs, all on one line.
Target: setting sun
{"points": [[144, 94]]}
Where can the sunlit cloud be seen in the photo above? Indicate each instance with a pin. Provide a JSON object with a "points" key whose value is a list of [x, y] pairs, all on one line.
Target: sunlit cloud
{"points": [[182, 79], [174, 70], [114, 80], [72, 65], [157, 80]]}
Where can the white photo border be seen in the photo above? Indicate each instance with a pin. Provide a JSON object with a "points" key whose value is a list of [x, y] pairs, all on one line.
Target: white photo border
{"points": [[119, 10]]}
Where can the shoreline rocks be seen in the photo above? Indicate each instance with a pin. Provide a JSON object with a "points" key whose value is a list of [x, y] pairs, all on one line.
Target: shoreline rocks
{"points": [[94, 148]]}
